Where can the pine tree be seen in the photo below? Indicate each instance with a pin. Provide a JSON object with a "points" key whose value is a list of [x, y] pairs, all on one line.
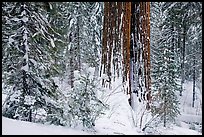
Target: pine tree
{"points": [[88, 107], [78, 43], [195, 54], [27, 62], [164, 69], [193, 45]]}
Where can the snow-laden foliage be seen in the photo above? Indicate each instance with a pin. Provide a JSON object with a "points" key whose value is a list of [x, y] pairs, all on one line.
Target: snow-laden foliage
{"points": [[26, 61], [164, 68], [81, 105], [47, 40], [39, 42], [175, 47], [77, 37]]}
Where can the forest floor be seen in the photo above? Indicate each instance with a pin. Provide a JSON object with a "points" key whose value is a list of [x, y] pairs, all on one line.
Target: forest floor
{"points": [[118, 120]]}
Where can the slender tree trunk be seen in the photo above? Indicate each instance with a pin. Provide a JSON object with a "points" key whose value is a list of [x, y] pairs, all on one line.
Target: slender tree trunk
{"points": [[133, 83], [183, 58], [26, 91], [104, 45], [164, 118], [148, 57], [110, 42], [172, 48], [78, 45], [165, 107], [194, 80], [144, 44], [30, 115], [115, 38], [128, 7], [71, 64]]}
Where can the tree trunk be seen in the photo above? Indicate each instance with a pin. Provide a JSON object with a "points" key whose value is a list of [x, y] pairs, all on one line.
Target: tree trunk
{"points": [[104, 44], [78, 45], [127, 36], [71, 64], [165, 107], [193, 103], [148, 57], [183, 58]]}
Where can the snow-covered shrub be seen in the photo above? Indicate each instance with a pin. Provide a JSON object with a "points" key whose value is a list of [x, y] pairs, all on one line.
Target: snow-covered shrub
{"points": [[82, 104], [192, 126]]}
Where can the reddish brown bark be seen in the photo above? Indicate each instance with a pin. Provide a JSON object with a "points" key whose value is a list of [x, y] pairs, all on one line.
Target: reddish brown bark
{"points": [[116, 40]]}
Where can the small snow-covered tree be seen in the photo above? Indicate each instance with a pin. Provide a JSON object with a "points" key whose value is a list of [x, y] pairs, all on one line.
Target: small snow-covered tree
{"points": [[88, 104], [83, 105]]}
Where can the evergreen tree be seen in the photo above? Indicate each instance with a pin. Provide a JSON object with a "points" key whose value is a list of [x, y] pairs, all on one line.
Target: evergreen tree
{"points": [[86, 104], [193, 62], [27, 62], [78, 25], [81, 105], [164, 69]]}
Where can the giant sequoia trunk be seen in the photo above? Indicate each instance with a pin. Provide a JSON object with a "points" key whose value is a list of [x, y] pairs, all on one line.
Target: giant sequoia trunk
{"points": [[126, 44]]}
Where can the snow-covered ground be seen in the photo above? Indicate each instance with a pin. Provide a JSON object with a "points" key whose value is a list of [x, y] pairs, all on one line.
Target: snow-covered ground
{"points": [[15, 127], [118, 120], [191, 117]]}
